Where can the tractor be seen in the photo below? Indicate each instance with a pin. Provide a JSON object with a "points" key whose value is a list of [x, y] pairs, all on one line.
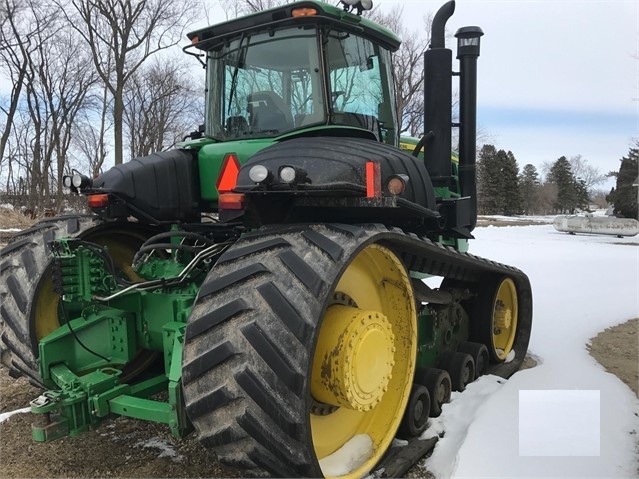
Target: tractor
{"points": [[263, 283]]}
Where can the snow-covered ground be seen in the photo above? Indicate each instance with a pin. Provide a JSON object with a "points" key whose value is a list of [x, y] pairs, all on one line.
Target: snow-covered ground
{"points": [[581, 285]]}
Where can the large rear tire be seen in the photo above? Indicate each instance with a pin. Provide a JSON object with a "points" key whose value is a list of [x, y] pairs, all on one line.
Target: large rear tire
{"points": [[29, 308], [300, 342]]}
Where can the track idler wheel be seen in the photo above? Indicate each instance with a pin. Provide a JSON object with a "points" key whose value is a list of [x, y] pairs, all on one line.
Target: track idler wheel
{"points": [[479, 353], [439, 386], [460, 366], [415, 418], [499, 310]]}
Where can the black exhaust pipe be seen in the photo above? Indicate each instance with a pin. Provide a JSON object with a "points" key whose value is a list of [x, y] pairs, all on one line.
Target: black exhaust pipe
{"points": [[438, 66], [467, 54]]}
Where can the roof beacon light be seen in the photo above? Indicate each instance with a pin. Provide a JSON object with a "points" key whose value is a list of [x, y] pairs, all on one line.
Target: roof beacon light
{"points": [[303, 12]]}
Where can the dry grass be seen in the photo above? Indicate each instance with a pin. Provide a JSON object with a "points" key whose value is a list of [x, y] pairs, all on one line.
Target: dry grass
{"points": [[14, 219]]}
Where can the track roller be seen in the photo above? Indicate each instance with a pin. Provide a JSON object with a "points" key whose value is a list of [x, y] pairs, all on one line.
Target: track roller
{"points": [[415, 418], [438, 383], [479, 353], [460, 366]]}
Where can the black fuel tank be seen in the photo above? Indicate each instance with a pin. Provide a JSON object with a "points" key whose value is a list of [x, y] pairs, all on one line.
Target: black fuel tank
{"points": [[162, 186]]}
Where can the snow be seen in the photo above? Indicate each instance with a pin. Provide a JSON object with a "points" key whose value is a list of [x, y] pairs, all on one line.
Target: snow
{"points": [[349, 457], [6, 415], [581, 286], [166, 450]]}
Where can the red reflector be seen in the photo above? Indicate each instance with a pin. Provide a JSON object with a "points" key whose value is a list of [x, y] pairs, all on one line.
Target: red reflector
{"points": [[373, 180], [231, 201], [228, 174], [98, 201]]}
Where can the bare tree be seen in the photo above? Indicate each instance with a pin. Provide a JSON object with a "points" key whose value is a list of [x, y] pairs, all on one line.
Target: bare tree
{"points": [[121, 36], [89, 142], [161, 105], [56, 80], [17, 34], [582, 170], [408, 68]]}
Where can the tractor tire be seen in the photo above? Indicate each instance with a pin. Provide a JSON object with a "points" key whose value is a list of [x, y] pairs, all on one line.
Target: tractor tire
{"points": [[460, 366], [29, 308], [289, 348], [439, 386]]}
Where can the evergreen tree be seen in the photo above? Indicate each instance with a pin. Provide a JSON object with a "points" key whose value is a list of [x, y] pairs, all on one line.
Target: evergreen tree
{"points": [[510, 187], [561, 175], [529, 185], [624, 196], [489, 182], [582, 194]]}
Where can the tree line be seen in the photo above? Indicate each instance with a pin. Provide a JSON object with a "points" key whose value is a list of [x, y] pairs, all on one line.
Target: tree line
{"points": [[568, 185]]}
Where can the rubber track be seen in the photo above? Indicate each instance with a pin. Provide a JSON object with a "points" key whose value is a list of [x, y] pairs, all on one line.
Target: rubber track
{"points": [[22, 263], [251, 336]]}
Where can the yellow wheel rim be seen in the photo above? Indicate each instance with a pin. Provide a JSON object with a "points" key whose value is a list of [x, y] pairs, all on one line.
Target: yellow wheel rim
{"points": [[364, 361], [505, 313]]}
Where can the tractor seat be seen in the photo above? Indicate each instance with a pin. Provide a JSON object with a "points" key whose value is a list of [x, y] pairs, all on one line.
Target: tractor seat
{"points": [[267, 111]]}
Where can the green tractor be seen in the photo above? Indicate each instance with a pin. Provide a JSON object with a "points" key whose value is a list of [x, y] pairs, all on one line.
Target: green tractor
{"points": [[262, 283]]}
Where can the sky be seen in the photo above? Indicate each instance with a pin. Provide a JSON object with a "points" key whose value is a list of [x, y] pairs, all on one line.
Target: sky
{"points": [[556, 78]]}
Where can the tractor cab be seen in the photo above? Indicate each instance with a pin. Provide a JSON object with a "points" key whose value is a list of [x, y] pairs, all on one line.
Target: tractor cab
{"points": [[298, 68]]}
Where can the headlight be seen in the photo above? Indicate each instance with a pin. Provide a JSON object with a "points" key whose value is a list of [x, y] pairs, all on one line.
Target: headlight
{"points": [[287, 174], [258, 173]]}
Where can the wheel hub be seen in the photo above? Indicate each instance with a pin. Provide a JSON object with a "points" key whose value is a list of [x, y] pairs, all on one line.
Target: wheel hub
{"points": [[356, 357], [503, 316]]}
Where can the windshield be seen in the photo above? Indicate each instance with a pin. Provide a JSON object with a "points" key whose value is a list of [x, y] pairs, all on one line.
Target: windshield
{"points": [[360, 78], [264, 84]]}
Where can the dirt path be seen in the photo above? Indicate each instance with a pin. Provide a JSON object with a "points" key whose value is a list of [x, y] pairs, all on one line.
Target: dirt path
{"points": [[617, 350]]}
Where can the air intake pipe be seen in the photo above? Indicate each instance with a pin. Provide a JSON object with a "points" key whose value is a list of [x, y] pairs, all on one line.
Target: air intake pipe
{"points": [[467, 54], [438, 64]]}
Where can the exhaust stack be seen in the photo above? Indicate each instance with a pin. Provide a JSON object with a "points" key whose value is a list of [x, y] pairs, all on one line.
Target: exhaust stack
{"points": [[438, 65], [467, 54]]}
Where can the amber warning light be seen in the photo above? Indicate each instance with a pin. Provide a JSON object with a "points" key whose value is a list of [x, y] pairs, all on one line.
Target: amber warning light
{"points": [[303, 12]]}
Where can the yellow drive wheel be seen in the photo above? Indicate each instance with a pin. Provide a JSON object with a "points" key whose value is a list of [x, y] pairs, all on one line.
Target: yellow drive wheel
{"points": [[364, 362]]}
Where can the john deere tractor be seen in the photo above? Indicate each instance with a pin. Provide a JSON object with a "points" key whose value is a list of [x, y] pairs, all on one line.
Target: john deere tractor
{"points": [[264, 282]]}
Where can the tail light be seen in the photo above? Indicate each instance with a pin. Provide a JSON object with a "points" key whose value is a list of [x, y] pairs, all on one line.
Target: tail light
{"points": [[98, 201], [231, 201]]}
